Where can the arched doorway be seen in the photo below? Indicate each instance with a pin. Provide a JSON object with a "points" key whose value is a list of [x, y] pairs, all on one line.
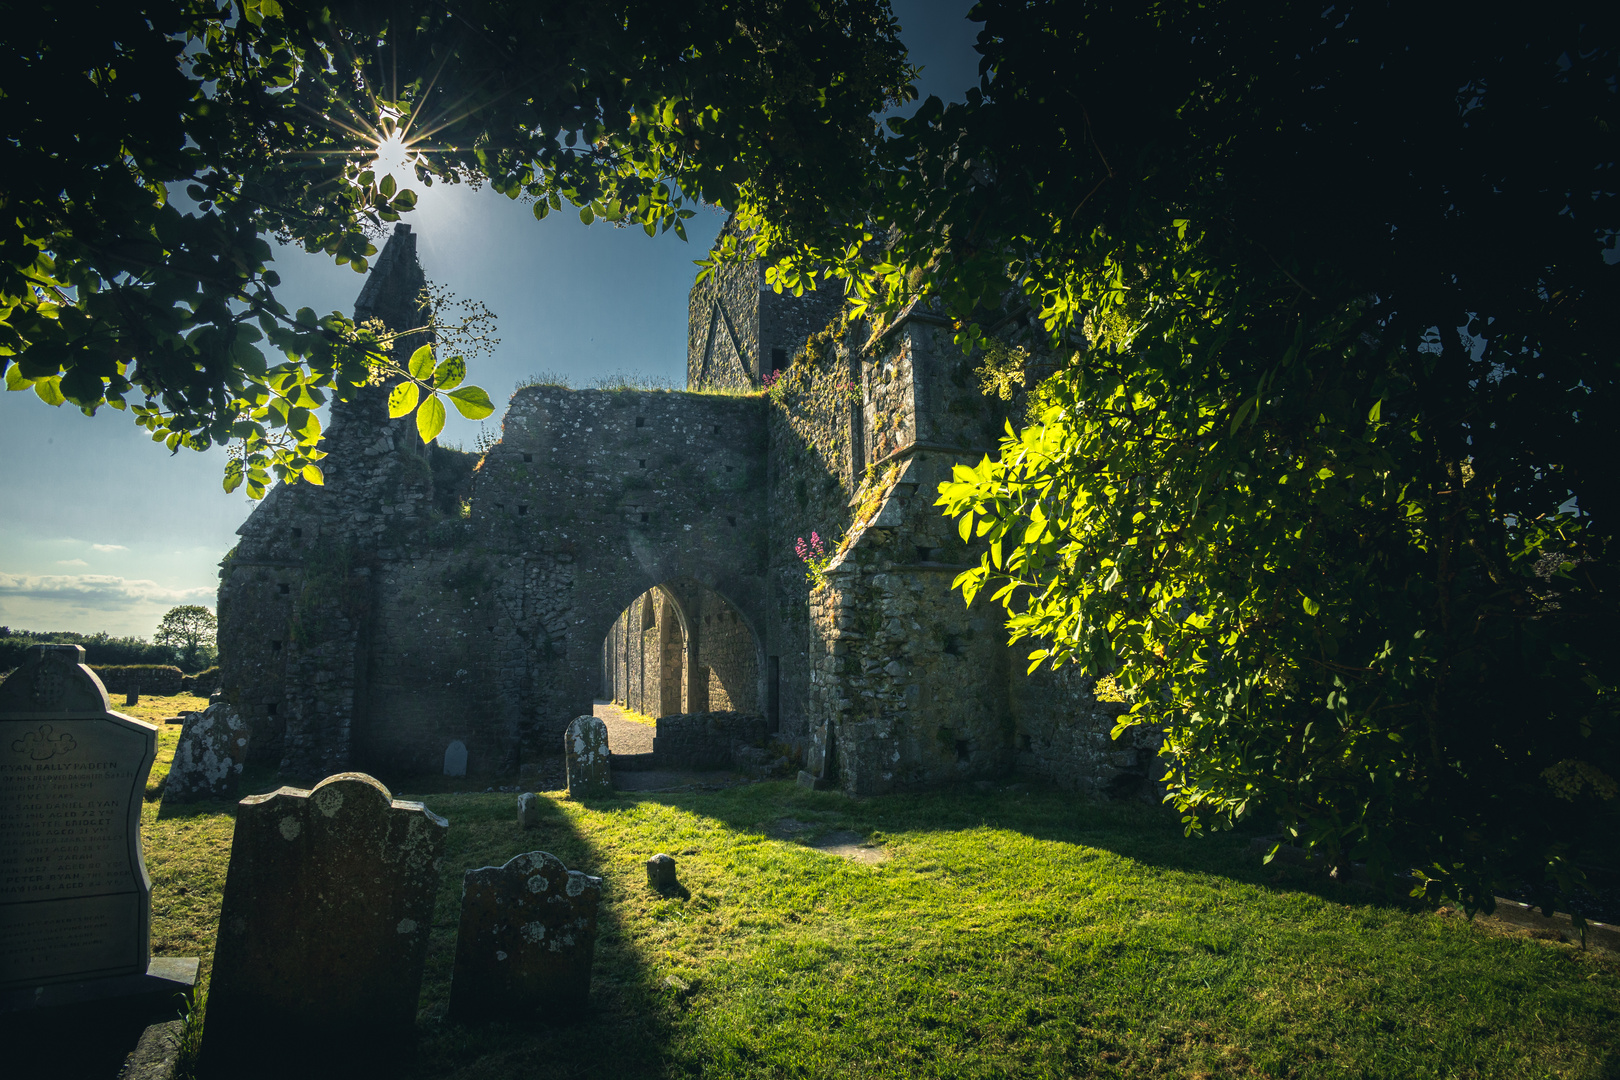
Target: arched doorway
{"points": [[681, 647]]}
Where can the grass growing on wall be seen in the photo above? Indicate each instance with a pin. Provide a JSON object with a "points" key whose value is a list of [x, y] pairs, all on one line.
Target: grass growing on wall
{"points": [[1008, 935]]}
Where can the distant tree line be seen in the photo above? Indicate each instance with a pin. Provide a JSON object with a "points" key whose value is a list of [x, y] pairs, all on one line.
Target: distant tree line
{"points": [[104, 649]]}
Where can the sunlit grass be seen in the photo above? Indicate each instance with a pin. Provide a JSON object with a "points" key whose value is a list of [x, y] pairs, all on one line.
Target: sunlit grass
{"points": [[1008, 935]]}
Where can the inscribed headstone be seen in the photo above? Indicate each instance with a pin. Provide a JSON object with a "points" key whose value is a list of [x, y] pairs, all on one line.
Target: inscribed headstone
{"points": [[75, 901], [585, 747], [455, 758], [526, 940], [323, 928], [209, 757]]}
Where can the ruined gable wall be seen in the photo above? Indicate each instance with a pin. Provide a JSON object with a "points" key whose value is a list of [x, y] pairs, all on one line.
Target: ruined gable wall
{"points": [[722, 348], [495, 636]]}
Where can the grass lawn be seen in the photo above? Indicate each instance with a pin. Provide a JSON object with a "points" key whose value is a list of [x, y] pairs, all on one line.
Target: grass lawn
{"points": [[1007, 934]]}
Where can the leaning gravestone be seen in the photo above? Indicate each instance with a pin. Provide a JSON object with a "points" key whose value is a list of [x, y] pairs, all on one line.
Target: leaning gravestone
{"points": [[323, 929], [208, 759], [526, 940], [585, 747]]}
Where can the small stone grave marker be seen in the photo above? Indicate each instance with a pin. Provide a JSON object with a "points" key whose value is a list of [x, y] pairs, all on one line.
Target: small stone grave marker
{"points": [[455, 758], [75, 901], [661, 873], [585, 747], [323, 928], [208, 759], [526, 940], [528, 810], [132, 696]]}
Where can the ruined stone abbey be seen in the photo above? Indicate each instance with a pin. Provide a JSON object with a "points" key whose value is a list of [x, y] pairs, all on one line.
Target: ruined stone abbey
{"points": [[640, 546]]}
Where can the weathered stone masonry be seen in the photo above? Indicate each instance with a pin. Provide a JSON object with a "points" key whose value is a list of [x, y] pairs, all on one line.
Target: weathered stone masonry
{"points": [[639, 546]]}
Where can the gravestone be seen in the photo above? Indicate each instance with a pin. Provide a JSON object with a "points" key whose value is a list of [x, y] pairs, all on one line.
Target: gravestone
{"points": [[526, 940], [323, 928], [208, 759], [455, 758], [75, 901], [132, 696], [585, 748], [661, 873], [528, 810]]}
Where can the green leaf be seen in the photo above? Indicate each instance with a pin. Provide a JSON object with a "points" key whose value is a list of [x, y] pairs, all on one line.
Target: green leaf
{"points": [[586, 215], [16, 380], [313, 474], [50, 390], [1311, 606], [421, 365], [387, 187], [402, 399], [1377, 411], [449, 373], [430, 419], [472, 402]]}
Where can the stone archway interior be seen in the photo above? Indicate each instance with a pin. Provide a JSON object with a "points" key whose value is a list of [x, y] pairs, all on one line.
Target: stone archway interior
{"points": [[680, 647]]}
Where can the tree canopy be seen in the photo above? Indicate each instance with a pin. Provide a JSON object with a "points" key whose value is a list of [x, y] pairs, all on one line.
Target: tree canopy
{"points": [[153, 149], [189, 630], [1321, 479]]}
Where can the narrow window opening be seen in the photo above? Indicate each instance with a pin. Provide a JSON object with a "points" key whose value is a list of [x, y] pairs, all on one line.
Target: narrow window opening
{"points": [[270, 709], [924, 554], [528, 457], [641, 421], [1023, 742], [275, 646], [717, 429], [778, 359], [643, 518], [522, 510], [961, 749], [298, 534], [285, 588], [641, 463]]}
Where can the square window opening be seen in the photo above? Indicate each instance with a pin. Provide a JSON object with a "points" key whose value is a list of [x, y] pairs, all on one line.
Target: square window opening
{"points": [[284, 588], [641, 421]]}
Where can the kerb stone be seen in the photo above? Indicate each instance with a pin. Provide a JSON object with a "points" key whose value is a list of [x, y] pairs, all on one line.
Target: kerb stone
{"points": [[323, 928], [208, 759], [526, 941], [585, 747]]}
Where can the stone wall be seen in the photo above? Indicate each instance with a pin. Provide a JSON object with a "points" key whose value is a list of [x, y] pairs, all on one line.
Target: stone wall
{"points": [[640, 545], [706, 740]]}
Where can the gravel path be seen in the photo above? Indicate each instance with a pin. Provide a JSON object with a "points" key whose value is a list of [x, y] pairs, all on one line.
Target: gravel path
{"points": [[624, 736]]}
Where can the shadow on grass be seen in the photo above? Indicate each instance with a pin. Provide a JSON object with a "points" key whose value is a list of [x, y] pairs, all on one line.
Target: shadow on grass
{"points": [[627, 1019]]}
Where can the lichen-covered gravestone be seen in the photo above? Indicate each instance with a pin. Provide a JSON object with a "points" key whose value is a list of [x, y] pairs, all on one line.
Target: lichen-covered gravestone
{"points": [[455, 758], [585, 747], [323, 928], [75, 901], [526, 940], [208, 759]]}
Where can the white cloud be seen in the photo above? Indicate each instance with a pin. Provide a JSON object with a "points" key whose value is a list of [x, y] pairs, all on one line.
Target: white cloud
{"points": [[96, 590], [71, 562], [109, 547]]}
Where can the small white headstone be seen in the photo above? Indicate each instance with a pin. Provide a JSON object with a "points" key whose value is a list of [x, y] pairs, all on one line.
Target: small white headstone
{"points": [[585, 750], [455, 759]]}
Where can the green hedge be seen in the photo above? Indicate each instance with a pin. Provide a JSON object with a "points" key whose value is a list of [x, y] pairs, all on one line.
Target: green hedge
{"points": [[162, 680], [98, 648]]}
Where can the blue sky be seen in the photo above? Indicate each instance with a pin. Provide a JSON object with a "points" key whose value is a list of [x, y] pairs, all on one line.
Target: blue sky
{"points": [[104, 530]]}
